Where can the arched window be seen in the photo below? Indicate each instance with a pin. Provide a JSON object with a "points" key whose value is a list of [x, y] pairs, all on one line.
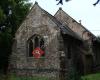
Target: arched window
{"points": [[42, 45], [34, 42], [30, 48]]}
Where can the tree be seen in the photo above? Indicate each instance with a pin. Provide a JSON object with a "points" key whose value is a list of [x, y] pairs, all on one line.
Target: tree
{"points": [[61, 2], [12, 13], [96, 2]]}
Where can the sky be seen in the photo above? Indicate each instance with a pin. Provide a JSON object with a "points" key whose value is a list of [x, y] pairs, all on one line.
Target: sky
{"points": [[79, 10]]}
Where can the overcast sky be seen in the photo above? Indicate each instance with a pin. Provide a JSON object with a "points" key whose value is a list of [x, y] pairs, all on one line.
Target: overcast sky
{"points": [[79, 10]]}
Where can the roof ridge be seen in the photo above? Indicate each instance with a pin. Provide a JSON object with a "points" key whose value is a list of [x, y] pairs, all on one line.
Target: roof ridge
{"points": [[76, 22], [60, 25]]}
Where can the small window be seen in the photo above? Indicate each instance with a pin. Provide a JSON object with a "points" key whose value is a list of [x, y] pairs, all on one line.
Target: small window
{"points": [[34, 42]]}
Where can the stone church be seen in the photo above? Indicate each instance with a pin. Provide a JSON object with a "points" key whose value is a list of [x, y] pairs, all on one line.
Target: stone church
{"points": [[67, 45]]}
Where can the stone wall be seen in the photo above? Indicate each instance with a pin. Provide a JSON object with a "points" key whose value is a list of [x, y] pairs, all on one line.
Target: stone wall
{"points": [[37, 22]]}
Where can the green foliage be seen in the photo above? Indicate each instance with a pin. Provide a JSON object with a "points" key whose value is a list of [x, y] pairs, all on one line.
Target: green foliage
{"points": [[2, 16], [19, 13], [19, 9]]}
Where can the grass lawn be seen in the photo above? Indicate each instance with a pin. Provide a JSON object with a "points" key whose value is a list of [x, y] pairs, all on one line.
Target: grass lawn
{"points": [[28, 78], [92, 77], [13, 77]]}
